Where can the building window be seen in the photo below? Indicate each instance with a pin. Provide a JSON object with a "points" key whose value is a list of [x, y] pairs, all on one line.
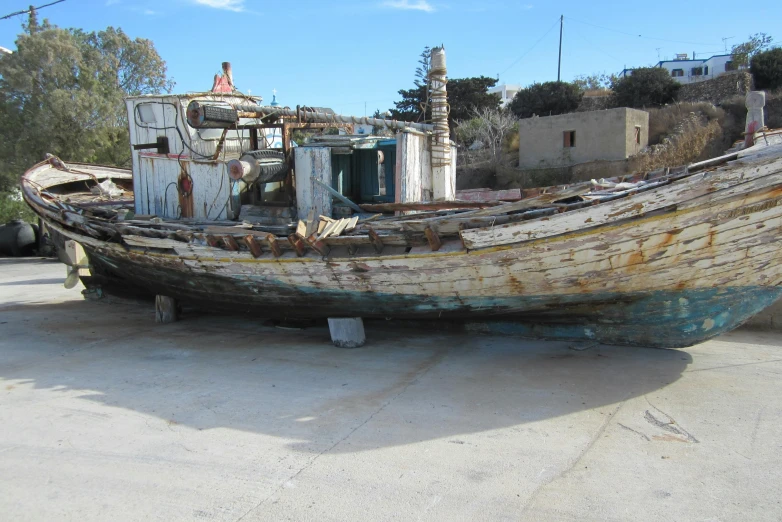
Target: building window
{"points": [[569, 139], [697, 71], [706, 70], [729, 66], [638, 134], [677, 72]]}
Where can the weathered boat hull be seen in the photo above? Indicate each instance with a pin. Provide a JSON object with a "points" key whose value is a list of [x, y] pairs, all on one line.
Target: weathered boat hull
{"points": [[671, 267]]}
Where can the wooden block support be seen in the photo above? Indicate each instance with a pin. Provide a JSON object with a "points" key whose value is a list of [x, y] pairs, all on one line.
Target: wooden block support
{"points": [[320, 247], [253, 246], [347, 332], [166, 309], [275, 248], [298, 244], [433, 238], [230, 243], [376, 241]]}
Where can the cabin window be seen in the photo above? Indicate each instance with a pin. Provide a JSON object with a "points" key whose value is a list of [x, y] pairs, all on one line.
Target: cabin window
{"points": [[145, 113], [697, 71], [569, 139], [638, 134], [677, 72]]}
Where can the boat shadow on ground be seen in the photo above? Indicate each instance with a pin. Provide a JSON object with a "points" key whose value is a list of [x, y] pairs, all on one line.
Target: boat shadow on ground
{"points": [[406, 385]]}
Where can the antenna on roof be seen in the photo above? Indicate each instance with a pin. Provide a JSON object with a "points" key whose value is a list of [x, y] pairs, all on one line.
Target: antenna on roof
{"points": [[658, 52], [725, 42]]}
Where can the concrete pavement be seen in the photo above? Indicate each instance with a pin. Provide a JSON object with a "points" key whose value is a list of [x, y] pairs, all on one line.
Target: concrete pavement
{"points": [[105, 415]]}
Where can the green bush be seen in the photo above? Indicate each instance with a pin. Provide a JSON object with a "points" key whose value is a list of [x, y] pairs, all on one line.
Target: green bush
{"points": [[647, 87], [12, 206], [546, 99], [766, 69]]}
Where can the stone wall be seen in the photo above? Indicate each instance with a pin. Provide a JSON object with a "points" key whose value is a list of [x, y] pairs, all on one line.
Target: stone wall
{"points": [[717, 89]]}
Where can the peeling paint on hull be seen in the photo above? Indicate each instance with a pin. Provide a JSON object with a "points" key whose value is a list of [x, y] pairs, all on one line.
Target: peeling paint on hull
{"points": [[663, 318]]}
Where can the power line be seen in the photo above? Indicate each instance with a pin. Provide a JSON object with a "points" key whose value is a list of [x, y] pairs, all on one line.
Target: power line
{"points": [[29, 10], [637, 35], [533, 46]]}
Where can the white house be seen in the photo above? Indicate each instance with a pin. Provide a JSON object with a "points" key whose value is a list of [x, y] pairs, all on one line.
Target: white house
{"points": [[684, 69], [506, 92]]}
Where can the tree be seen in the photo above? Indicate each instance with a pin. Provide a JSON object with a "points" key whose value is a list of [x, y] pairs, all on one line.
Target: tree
{"points": [[645, 87], [62, 92], [546, 99], [464, 95], [766, 69], [491, 127], [741, 54], [594, 82]]}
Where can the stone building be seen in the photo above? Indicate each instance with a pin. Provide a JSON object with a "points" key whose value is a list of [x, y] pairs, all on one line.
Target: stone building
{"points": [[568, 139]]}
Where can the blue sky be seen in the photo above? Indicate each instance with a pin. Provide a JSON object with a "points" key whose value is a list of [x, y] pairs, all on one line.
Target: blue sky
{"points": [[345, 53]]}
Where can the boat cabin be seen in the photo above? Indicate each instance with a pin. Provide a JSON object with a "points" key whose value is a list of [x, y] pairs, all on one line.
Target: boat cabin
{"points": [[218, 157]]}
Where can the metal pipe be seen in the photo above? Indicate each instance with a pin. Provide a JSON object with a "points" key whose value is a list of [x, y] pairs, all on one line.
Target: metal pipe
{"points": [[202, 115]]}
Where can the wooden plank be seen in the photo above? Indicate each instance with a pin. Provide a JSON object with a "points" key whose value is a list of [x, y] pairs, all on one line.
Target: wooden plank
{"points": [[497, 195], [328, 230], [428, 205], [253, 246], [536, 201], [150, 242], [212, 241], [341, 225], [727, 184], [301, 228], [351, 224], [312, 224], [322, 224]]}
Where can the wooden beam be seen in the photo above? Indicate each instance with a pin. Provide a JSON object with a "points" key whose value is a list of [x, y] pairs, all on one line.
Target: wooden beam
{"points": [[274, 245], [376, 241], [319, 246], [212, 241], [230, 243], [298, 244], [428, 205], [433, 238], [253, 246]]}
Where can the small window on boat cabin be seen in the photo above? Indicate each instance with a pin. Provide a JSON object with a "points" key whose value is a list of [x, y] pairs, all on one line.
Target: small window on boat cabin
{"points": [[637, 134], [569, 138], [677, 72], [146, 113]]}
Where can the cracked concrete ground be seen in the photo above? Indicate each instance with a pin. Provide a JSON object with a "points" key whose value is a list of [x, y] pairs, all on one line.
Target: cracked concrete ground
{"points": [[105, 415]]}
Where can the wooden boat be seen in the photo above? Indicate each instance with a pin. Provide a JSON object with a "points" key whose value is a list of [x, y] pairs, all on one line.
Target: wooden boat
{"points": [[666, 259]]}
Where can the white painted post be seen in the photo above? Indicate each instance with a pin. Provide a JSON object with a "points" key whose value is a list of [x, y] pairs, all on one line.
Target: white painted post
{"points": [[755, 102], [347, 332], [312, 163], [414, 168]]}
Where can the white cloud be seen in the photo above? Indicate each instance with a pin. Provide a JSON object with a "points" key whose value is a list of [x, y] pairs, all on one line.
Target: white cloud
{"points": [[413, 5], [527, 6], [112, 2], [229, 5]]}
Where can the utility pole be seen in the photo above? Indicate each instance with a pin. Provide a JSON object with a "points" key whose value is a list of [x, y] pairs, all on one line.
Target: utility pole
{"points": [[559, 63]]}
